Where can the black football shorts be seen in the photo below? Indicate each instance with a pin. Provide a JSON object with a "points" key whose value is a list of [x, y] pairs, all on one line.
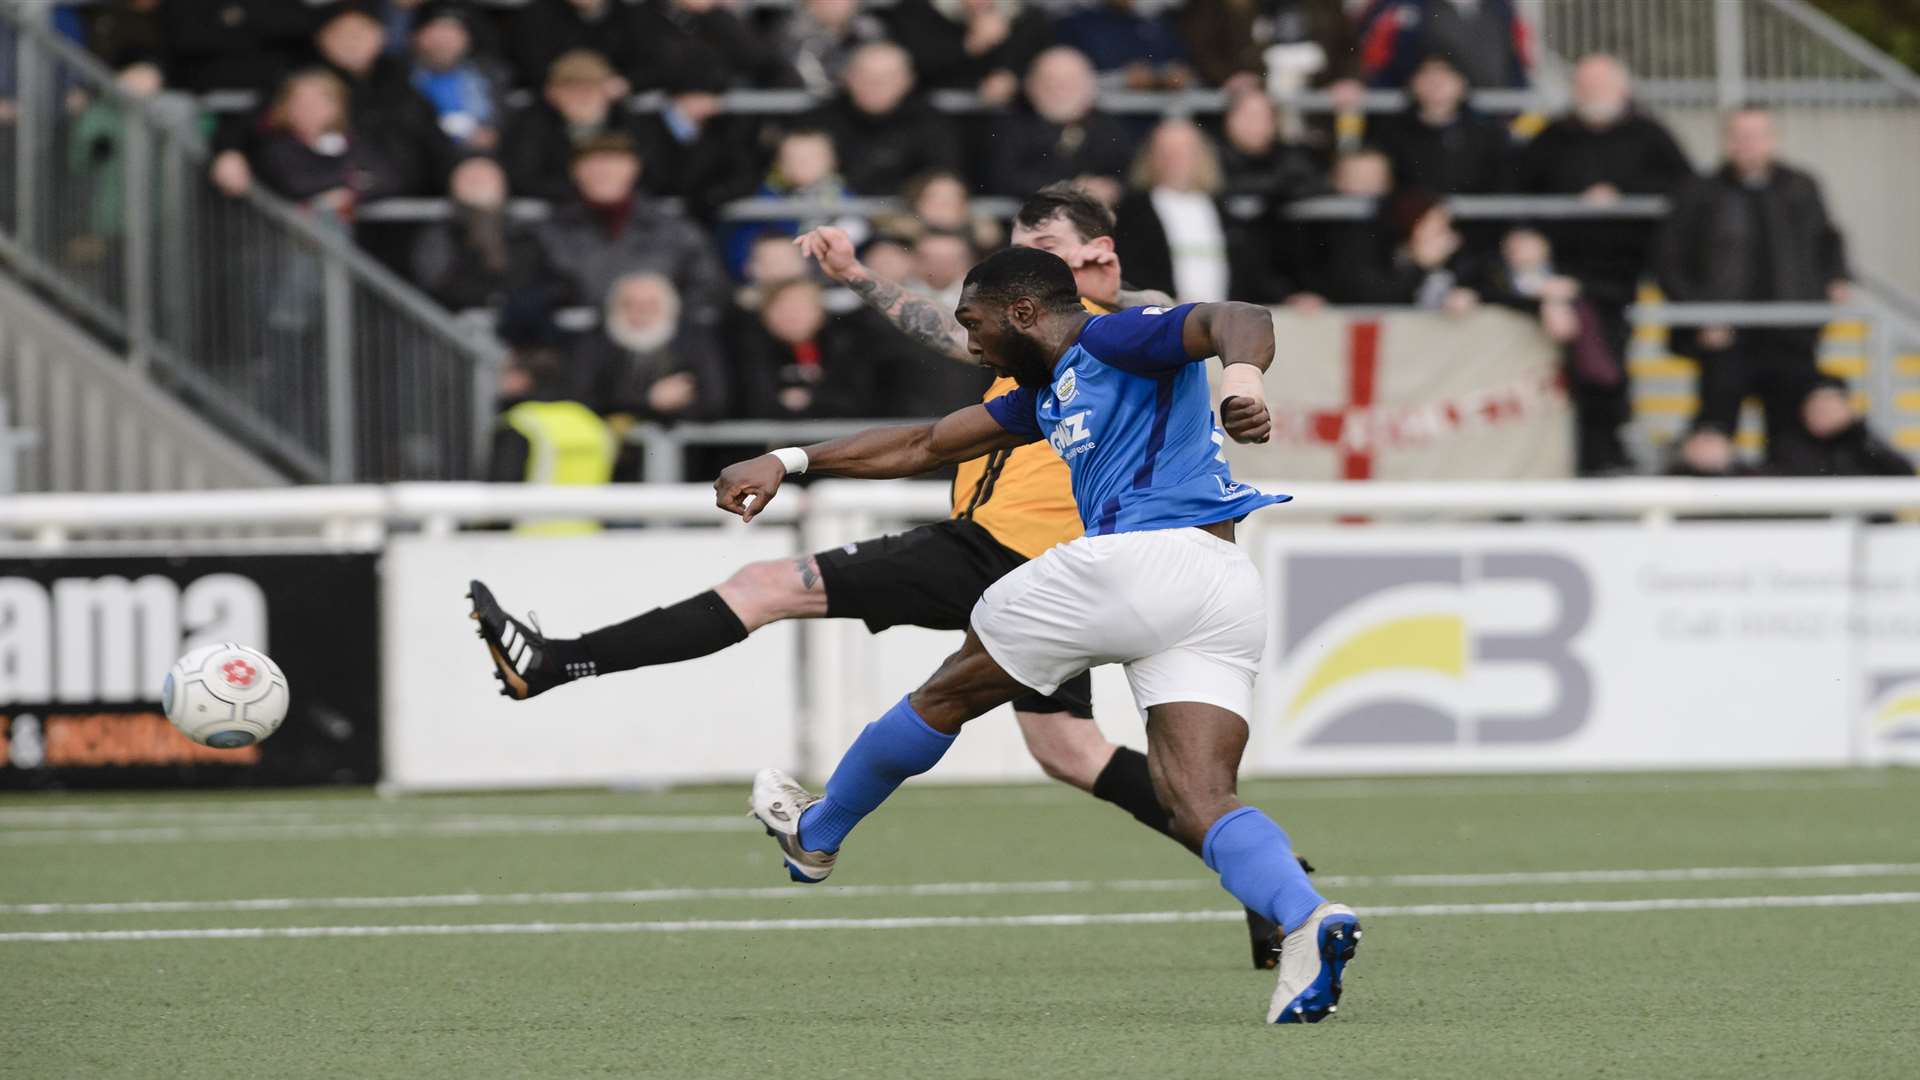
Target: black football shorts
{"points": [[931, 576]]}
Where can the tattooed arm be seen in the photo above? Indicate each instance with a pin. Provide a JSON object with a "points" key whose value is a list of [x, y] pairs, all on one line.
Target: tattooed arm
{"points": [[921, 319]]}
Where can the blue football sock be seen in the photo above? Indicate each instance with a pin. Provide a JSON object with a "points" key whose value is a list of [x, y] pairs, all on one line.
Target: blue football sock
{"points": [[1255, 862], [892, 748]]}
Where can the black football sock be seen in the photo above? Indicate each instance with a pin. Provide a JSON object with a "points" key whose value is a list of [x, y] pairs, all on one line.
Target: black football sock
{"points": [[1127, 784], [692, 628]]}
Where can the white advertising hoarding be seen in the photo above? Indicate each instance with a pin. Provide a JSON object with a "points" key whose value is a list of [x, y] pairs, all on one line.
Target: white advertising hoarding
{"points": [[723, 716]]}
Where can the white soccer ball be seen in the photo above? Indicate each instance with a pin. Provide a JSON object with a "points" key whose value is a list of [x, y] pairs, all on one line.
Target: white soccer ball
{"points": [[225, 696]]}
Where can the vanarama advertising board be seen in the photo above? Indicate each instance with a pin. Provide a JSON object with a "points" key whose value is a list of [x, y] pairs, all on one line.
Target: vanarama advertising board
{"points": [[85, 643]]}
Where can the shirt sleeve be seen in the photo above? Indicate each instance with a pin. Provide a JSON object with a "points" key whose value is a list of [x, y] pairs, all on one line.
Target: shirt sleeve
{"points": [[1145, 341], [1016, 410]]}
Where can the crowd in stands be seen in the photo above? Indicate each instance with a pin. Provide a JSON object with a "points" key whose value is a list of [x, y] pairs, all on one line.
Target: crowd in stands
{"points": [[702, 315]]}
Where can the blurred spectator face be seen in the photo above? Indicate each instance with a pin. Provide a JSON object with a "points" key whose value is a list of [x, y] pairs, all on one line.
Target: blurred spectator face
{"points": [[643, 311], [352, 42], [441, 44], [1751, 142], [1179, 158], [774, 259], [588, 7], [479, 182], [1366, 173], [1060, 86], [1434, 227], [1827, 412], [942, 259], [141, 80], [889, 260], [1601, 91], [606, 177], [1252, 124], [1525, 249], [1438, 87], [879, 77], [1707, 451], [581, 102], [794, 313], [806, 158], [312, 107], [942, 203], [835, 15]]}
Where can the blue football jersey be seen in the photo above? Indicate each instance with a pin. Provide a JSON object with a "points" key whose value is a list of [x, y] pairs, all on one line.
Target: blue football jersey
{"points": [[1130, 412]]}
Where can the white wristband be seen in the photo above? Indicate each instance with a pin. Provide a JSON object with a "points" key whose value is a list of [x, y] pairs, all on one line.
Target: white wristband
{"points": [[794, 458]]}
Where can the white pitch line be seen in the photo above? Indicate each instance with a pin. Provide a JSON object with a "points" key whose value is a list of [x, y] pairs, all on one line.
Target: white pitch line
{"points": [[501, 825], [931, 922], [951, 888]]}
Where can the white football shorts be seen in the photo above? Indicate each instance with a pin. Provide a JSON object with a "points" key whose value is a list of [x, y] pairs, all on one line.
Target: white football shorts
{"points": [[1181, 608]]}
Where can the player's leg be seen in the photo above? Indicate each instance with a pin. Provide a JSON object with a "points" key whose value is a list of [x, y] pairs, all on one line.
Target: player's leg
{"points": [[1194, 749], [528, 663], [907, 740]]}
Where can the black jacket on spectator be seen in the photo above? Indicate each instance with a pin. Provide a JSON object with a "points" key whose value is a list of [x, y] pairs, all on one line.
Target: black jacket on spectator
{"points": [[1029, 152], [879, 154], [1230, 37], [1140, 241], [1637, 156], [938, 45], [844, 381], [1853, 452], [543, 29], [583, 250], [474, 259], [622, 377], [234, 44], [1470, 156], [1728, 241], [714, 48], [536, 150], [299, 172]]}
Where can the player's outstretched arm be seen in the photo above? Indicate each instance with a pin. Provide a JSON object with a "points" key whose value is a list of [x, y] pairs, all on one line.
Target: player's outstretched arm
{"points": [[1241, 335], [885, 453], [918, 317]]}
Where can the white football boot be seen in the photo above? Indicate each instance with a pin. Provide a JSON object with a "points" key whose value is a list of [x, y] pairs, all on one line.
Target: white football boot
{"points": [[1312, 959], [778, 803]]}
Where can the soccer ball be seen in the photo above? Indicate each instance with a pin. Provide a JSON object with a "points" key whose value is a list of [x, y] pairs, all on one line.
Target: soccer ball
{"points": [[225, 696]]}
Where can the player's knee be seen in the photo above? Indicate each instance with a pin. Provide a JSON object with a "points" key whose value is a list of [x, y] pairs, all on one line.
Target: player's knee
{"points": [[1067, 748], [763, 592]]}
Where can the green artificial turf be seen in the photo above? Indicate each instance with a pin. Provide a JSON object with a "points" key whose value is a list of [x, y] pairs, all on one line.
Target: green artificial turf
{"points": [[1789, 991]]}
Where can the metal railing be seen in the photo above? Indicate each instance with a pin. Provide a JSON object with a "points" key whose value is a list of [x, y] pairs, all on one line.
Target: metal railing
{"points": [[262, 315]]}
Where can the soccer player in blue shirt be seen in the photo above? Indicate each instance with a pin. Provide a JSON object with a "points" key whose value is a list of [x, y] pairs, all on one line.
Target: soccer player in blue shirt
{"points": [[1156, 584]]}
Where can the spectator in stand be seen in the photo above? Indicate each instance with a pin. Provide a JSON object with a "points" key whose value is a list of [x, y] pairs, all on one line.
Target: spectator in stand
{"points": [[796, 361], [1228, 42], [1487, 40], [1429, 265], [546, 434], [806, 167], [1604, 149], [544, 30], [1256, 162], [310, 153], [890, 257], [646, 365], [939, 200], [941, 259], [1059, 135], [1755, 231], [470, 260], [1440, 144], [1524, 279], [1339, 260], [464, 92], [1142, 51], [1170, 231], [701, 155], [611, 230], [918, 381], [684, 38], [123, 32], [234, 44], [978, 45], [821, 36], [773, 259], [582, 102], [1833, 440], [1706, 453], [884, 133]]}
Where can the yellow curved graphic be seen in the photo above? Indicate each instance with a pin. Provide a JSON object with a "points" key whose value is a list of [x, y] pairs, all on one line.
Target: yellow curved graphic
{"points": [[1429, 642], [1897, 711]]}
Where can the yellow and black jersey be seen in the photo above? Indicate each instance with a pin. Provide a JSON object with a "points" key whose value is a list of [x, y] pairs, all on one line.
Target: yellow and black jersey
{"points": [[1022, 496]]}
